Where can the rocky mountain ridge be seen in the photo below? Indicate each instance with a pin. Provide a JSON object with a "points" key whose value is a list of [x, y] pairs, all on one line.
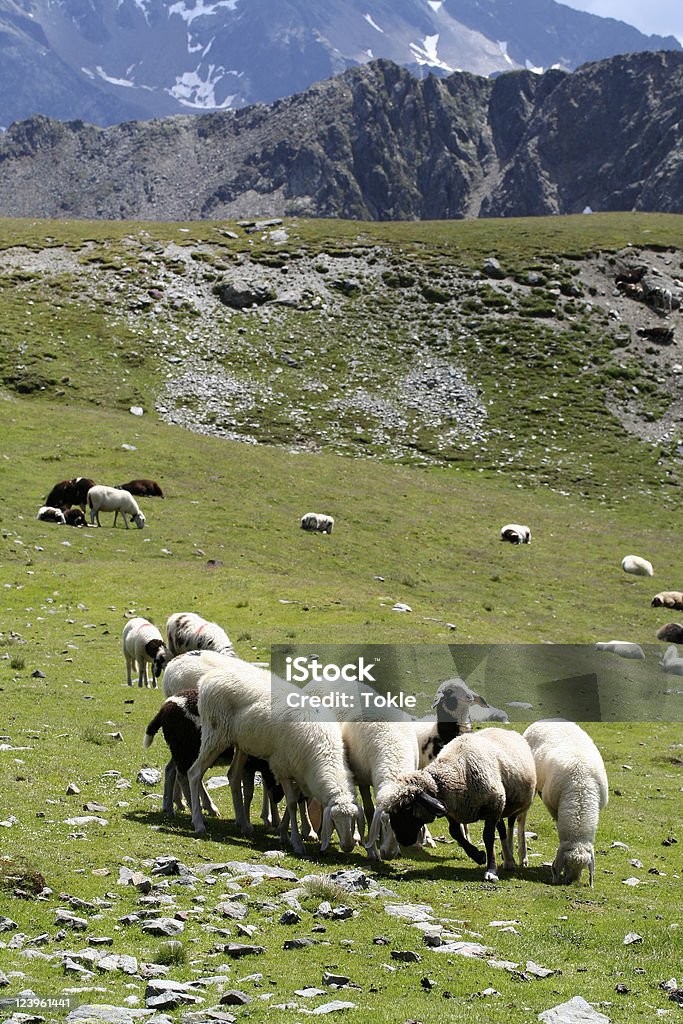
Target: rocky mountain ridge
{"points": [[117, 60], [375, 143]]}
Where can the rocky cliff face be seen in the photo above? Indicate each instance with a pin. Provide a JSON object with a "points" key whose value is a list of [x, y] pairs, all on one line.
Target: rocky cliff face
{"points": [[375, 143]]}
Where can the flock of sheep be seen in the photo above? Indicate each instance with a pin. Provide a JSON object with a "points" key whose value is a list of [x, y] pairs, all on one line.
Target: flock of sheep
{"points": [[221, 709], [67, 501]]}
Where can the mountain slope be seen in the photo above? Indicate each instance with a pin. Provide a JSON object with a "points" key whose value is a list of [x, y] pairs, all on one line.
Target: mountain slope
{"points": [[111, 60], [375, 143]]}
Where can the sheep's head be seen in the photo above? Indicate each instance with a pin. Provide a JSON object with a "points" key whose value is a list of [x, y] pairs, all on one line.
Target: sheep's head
{"points": [[344, 815], [161, 660], [454, 701], [139, 520], [570, 861], [412, 804]]}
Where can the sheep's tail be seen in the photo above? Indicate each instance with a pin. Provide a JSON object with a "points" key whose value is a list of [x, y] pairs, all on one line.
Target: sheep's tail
{"points": [[153, 729]]}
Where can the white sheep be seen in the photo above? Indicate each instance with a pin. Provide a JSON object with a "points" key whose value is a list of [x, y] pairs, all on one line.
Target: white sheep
{"points": [[671, 663], [487, 775], [623, 648], [637, 566], [317, 522], [572, 782], [141, 644], [51, 514], [668, 599], [244, 705], [187, 631], [514, 533], [112, 499]]}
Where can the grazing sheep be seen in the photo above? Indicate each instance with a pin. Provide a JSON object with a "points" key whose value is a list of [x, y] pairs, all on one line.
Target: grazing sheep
{"points": [[637, 566], [244, 705], [623, 648], [672, 632], [487, 775], [668, 599], [572, 782], [70, 492], [317, 522], [187, 631], [141, 643], [142, 488], [111, 499], [513, 533], [51, 514], [178, 718], [671, 663]]}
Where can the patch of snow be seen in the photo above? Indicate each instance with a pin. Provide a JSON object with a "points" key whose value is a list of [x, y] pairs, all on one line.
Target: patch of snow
{"points": [[435, 5], [200, 9], [504, 50], [531, 67], [192, 90], [99, 72], [426, 53], [374, 24]]}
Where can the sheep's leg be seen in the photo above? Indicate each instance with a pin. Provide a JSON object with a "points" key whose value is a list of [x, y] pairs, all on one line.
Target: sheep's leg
{"points": [[142, 676], [425, 839], [292, 797], [248, 791], [522, 855], [458, 832], [235, 779], [368, 806], [491, 873], [506, 835], [274, 812], [211, 748], [129, 670], [307, 830], [169, 788], [265, 805], [209, 805]]}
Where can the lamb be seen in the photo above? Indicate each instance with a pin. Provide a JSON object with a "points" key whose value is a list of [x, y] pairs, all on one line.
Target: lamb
{"points": [[487, 775], [187, 631], [51, 514], [671, 663], [111, 499], [516, 534], [70, 492], [672, 632], [243, 705], [623, 648], [74, 517], [637, 566], [317, 522], [141, 643], [668, 599], [178, 718], [572, 782], [142, 488]]}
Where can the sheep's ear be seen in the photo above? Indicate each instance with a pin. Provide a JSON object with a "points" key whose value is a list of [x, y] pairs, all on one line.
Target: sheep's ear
{"points": [[431, 803], [326, 829]]}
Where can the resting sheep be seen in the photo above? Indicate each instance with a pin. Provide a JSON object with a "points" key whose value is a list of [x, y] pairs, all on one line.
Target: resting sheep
{"points": [[637, 566], [513, 533], [178, 718], [142, 488], [243, 705], [487, 775], [317, 522], [668, 599], [572, 783], [142, 641], [111, 499], [187, 631], [672, 633], [63, 517], [623, 648], [70, 492]]}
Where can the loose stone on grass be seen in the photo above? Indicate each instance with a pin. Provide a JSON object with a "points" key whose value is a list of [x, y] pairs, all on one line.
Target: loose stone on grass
{"points": [[575, 1011]]}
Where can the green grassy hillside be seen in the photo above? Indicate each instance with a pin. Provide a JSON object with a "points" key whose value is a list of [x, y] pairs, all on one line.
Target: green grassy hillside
{"points": [[418, 512]]}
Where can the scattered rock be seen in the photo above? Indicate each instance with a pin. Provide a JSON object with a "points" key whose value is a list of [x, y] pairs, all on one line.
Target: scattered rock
{"points": [[335, 979], [167, 926], [149, 776], [407, 956], [237, 949], [233, 997], [575, 1011]]}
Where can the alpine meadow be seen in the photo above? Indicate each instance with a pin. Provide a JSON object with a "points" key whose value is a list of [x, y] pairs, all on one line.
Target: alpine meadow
{"points": [[424, 384]]}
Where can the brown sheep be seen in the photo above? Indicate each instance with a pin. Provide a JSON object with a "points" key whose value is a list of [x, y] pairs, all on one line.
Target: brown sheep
{"points": [[70, 492], [142, 488]]}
